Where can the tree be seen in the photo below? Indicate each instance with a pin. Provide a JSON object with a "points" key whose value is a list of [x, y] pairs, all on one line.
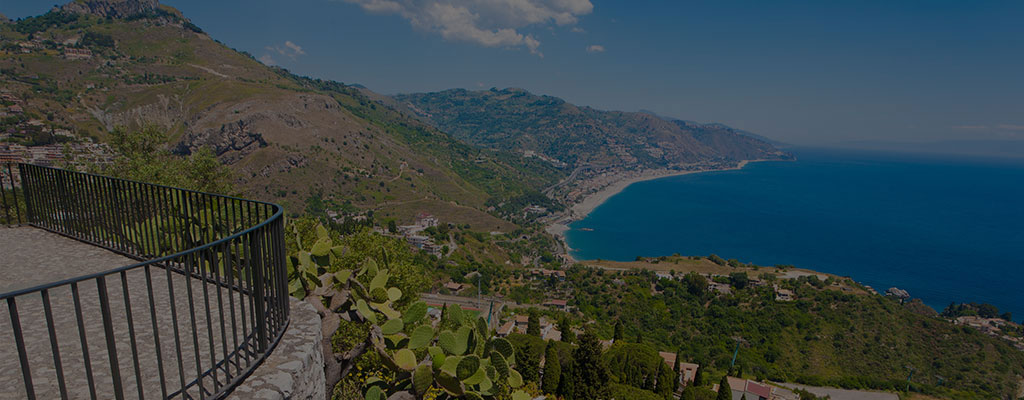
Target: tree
{"points": [[392, 226], [528, 363], [724, 391], [739, 280], [142, 157], [567, 383], [589, 372], [743, 397], [696, 284], [698, 377], [677, 368], [690, 393], [640, 336], [567, 334], [618, 331], [666, 382], [552, 370], [533, 324]]}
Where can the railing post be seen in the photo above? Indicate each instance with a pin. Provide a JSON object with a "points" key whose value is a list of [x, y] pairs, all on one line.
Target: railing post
{"points": [[29, 214], [108, 329], [257, 290]]}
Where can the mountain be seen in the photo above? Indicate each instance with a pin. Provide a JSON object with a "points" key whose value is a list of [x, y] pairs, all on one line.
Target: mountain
{"points": [[517, 120], [714, 125], [92, 66]]}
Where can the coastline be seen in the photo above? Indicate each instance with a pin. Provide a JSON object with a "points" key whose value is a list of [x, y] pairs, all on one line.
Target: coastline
{"points": [[590, 202]]}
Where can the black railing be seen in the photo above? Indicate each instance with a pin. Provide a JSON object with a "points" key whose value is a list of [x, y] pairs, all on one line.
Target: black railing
{"points": [[204, 307]]}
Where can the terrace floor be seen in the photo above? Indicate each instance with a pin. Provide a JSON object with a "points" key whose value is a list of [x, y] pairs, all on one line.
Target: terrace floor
{"points": [[31, 257]]}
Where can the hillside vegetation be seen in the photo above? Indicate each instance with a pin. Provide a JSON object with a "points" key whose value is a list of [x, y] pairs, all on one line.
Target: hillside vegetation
{"points": [[289, 139], [517, 120]]}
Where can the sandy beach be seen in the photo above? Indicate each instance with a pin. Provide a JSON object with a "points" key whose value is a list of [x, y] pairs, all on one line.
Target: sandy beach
{"points": [[592, 201], [580, 210]]}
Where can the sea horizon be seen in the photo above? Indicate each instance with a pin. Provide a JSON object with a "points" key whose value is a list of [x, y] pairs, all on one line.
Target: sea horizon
{"points": [[878, 217]]}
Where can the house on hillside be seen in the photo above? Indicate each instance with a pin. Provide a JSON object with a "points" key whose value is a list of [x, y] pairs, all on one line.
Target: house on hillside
{"points": [[454, 288], [746, 388], [506, 329], [722, 288], [687, 370], [556, 304], [783, 294]]}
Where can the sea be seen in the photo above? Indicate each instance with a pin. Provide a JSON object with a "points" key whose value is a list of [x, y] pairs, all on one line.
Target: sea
{"points": [[944, 228]]}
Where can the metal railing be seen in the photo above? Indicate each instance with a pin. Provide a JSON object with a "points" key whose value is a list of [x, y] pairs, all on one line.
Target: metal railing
{"points": [[205, 306]]}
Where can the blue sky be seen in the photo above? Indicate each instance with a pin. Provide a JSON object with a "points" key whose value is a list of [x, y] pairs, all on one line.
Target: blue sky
{"points": [[806, 72]]}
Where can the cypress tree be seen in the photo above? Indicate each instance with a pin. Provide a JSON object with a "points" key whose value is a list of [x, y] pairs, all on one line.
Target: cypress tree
{"points": [[590, 373], [698, 377], [618, 331], [666, 384], [690, 393], [533, 324], [677, 368], [528, 363], [724, 392], [552, 370], [567, 335], [640, 336], [566, 385]]}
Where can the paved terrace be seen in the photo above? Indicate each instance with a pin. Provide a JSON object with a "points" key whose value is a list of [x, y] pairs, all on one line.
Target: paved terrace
{"points": [[31, 257]]}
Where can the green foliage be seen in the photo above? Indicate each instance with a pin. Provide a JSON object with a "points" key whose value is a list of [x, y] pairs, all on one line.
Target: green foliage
{"points": [[142, 157], [533, 324], [620, 391], [590, 373], [552, 370], [724, 391], [465, 362], [827, 337], [633, 364]]}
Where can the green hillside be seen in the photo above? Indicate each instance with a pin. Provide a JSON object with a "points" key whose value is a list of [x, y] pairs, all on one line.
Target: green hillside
{"points": [[517, 120], [91, 67]]}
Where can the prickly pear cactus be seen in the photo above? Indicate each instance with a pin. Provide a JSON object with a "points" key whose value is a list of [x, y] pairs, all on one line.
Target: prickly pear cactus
{"points": [[455, 358], [462, 359]]}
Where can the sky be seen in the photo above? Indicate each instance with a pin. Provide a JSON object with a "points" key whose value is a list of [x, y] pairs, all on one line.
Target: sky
{"points": [[804, 72]]}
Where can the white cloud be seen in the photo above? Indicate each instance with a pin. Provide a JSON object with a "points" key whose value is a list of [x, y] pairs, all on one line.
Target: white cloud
{"points": [[296, 49], [289, 49], [491, 23], [998, 127], [1010, 127], [595, 48]]}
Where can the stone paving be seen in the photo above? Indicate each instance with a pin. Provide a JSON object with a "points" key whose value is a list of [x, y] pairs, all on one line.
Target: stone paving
{"points": [[30, 257]]}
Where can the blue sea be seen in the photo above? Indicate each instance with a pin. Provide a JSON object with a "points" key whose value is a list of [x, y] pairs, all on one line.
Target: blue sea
{"points": [[945, 229]]}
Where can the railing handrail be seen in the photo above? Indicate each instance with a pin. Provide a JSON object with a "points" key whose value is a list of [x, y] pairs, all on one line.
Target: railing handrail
{"points": [[232, 243], [277, 214]]}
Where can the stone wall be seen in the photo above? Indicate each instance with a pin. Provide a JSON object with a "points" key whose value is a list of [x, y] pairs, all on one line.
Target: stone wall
{"points": [[295, 369]]}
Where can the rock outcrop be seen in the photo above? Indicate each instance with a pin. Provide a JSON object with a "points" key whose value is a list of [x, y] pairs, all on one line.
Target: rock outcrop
{"points": [[232, 142], [111, 8]]}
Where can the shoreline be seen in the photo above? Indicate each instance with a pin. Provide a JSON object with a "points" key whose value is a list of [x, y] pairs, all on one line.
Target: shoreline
{"points": [[591, 202]]}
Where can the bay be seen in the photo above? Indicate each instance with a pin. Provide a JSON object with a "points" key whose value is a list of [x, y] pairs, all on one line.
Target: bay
{"points": [[945, 229]]}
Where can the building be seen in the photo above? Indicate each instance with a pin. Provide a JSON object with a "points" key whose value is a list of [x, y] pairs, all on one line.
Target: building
{"points": [[537, 273], [505, 329], [77, 54], [687, 370], [557, 304], [722, 288], [746, 388], [426, 220], [454, 287], [783, 294], [15, 109]]}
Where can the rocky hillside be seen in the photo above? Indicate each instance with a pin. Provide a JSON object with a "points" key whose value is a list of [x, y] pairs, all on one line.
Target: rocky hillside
{"points": [[517, 120], [95, 65]]}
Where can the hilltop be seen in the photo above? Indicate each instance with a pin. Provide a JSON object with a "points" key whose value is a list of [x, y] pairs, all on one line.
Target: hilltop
{"points": [[549, 127], [89, 67]]}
